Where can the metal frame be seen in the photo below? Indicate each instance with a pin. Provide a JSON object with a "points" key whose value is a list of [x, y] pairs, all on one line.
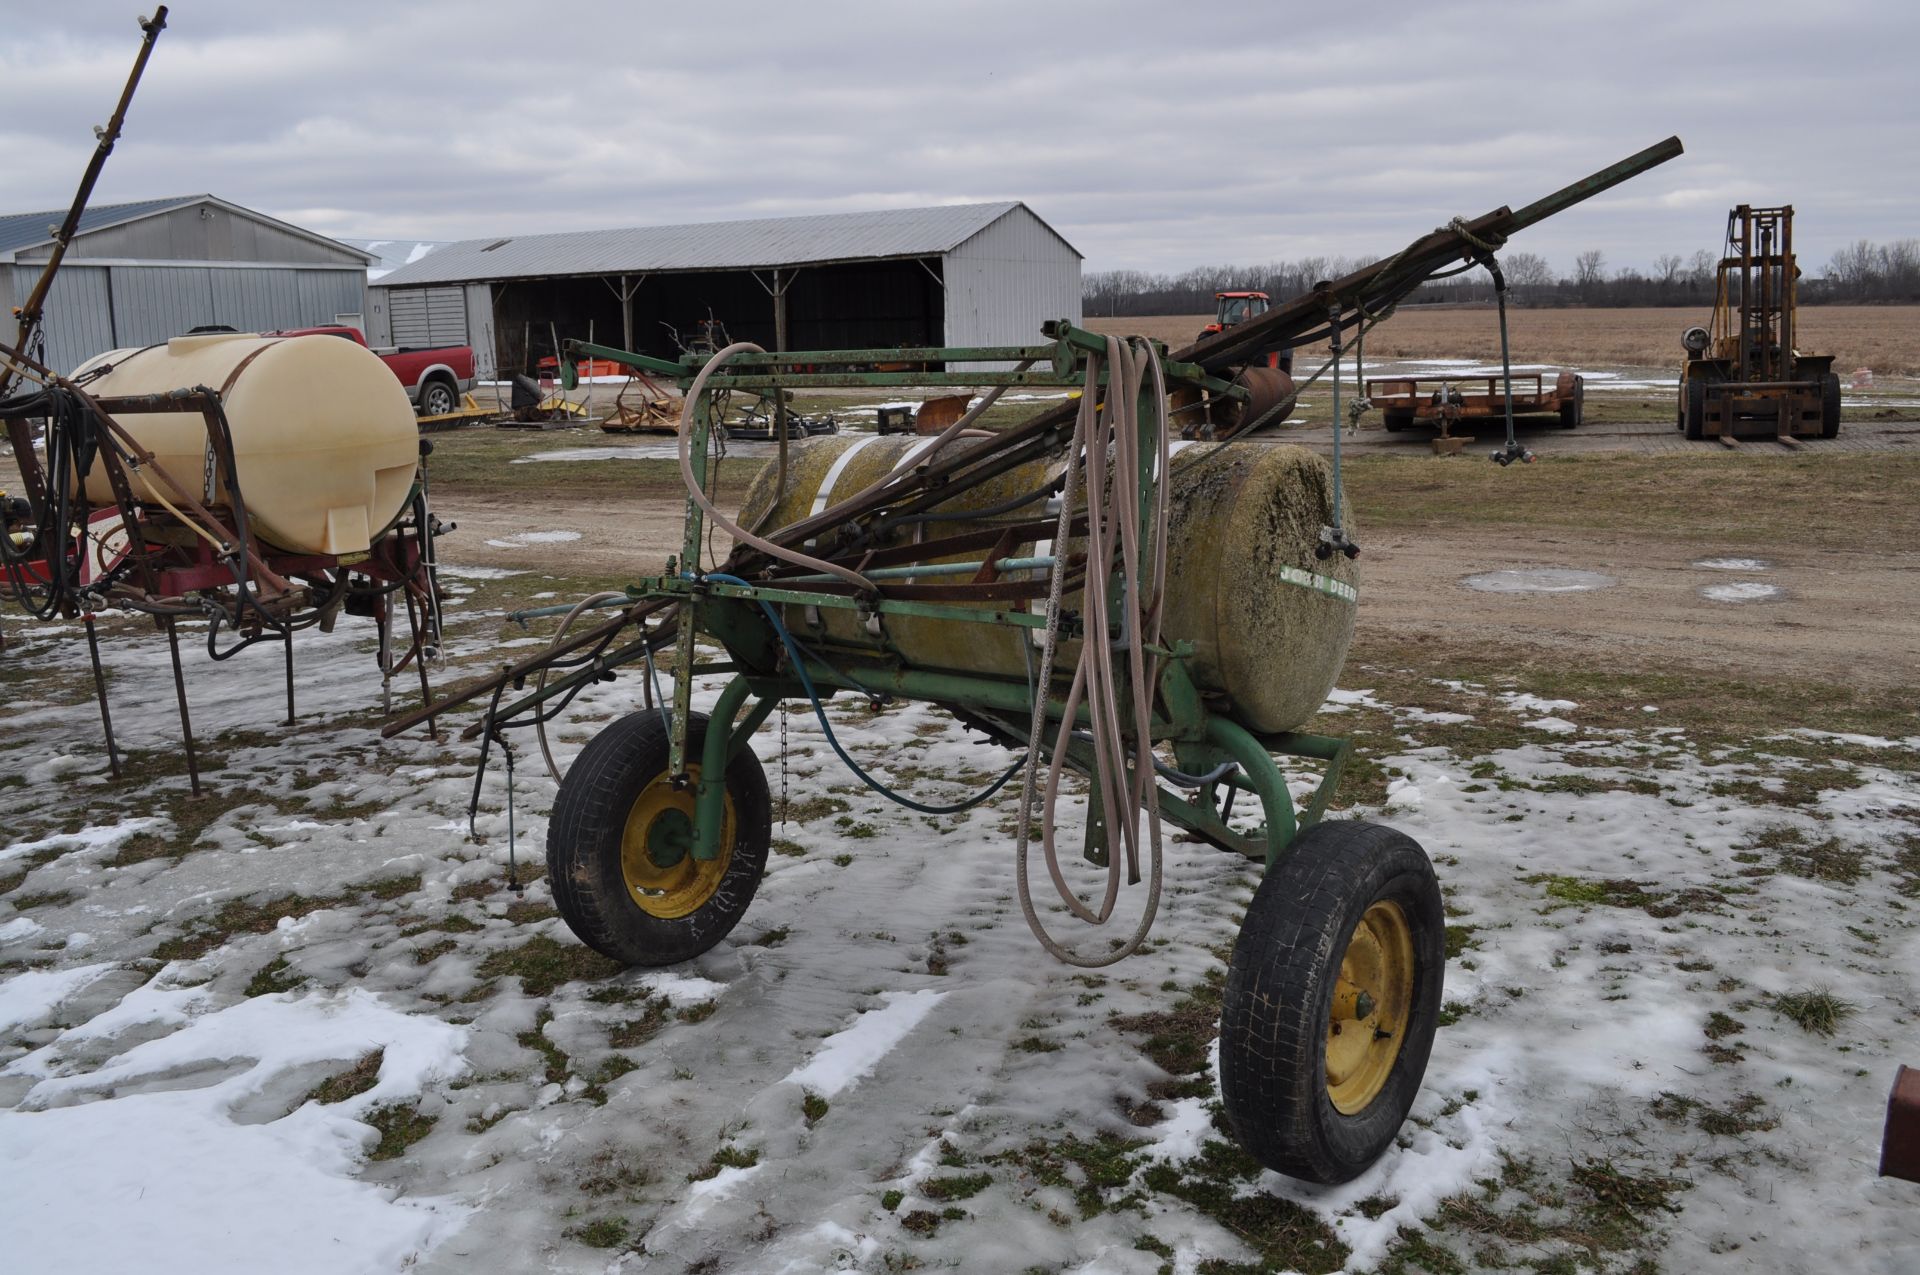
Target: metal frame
{"points": [[765, 672], [179, 571], [680, 604]]}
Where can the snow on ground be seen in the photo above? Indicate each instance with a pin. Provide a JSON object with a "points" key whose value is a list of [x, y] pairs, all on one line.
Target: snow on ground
{"points": [[307, 1027]]}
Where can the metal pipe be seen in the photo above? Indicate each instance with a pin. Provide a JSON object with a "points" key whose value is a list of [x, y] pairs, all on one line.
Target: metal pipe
{"points": [[29, 311], [100, 690], [936, 569], [180, 693]]}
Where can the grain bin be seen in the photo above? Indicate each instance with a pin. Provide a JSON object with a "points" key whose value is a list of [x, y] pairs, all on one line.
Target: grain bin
{"points": [[324, 440], [1269, 622]]}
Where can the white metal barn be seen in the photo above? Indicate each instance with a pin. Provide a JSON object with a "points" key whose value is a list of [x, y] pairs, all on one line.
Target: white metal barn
{"points": [[961, 274], [139, 273]]}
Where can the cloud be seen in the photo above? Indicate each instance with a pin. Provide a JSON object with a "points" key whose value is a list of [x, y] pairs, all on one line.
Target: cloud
{"points": [[1152, 136]]}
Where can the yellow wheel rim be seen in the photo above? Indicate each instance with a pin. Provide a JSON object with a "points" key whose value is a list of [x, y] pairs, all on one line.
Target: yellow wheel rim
{"points": [[656, 850], [1371, 1003]]}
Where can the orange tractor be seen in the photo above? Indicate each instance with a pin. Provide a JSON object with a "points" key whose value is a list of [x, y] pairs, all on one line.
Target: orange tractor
{"points": [[1233, 308]]}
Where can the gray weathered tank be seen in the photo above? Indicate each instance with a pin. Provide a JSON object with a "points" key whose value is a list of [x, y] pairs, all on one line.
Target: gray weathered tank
{"points": [[1269, 622]]}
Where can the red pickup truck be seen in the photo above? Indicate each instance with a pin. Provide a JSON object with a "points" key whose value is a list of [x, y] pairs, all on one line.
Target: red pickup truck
{"points": [[435, 378]]}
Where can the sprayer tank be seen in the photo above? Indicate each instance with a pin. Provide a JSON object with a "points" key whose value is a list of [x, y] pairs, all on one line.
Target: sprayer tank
{"points": [[324, 440], [1269, 622]]}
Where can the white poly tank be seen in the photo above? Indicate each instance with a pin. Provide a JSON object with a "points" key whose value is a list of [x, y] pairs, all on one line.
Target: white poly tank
{"points": [[324, 439]]}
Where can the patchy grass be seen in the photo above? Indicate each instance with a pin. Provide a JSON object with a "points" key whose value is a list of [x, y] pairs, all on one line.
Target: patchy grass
{"points": [[190, 816], [604, 1232], [1622, 892], [1603, 1218], [390, 888], [1830, 860], [612, 1173], [728, 1157], [1906, 865], [1286, 1235], [452, 923], [814, 1108], [1620, 1200], [488, 887], [357, 1079], [431, 952], [1798, 786], [816, 808], [542, 964], [400, 1126], [272, 979], [237, 917], [956, 1187], [1180, 1039], [638, 1031], [1090, 1169], [920, 1222], [45, 899], [612, 1067], [1745, 1114], [1714, 708], [1720, 1026], [1818, 1012], [556, 1065]]}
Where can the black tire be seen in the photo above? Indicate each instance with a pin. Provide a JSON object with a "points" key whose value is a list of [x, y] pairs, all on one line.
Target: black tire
{"points": [[1574, 410], [1693, 407], [1276, 1021], [437, 397], [586, 866], [1394, 422], [1830, 405]]}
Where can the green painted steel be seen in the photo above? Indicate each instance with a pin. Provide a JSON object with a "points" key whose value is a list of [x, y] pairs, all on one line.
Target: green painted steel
{"points": [[732, 614], [709, 793]]}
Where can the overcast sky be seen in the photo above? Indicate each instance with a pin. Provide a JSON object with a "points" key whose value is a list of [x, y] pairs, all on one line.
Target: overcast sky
{"points": [[1153, 136]]}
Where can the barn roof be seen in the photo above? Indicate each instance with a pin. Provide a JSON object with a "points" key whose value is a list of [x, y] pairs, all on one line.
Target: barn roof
{"points": [[30, 229], [720, 245], [24, 230]]}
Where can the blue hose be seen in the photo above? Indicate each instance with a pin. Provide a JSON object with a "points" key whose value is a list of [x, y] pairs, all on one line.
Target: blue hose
{"points": [[819, 711]]}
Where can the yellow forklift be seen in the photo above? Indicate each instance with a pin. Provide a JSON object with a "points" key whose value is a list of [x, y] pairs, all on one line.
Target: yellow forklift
{"points": [[1743, 377]]}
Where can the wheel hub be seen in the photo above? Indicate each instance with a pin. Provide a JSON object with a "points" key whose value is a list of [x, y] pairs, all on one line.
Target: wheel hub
{"points": [[662, 876], [1371, 1003]]}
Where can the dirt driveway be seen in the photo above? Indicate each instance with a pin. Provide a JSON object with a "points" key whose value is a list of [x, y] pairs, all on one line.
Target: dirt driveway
{"points": [[1784, 610]]}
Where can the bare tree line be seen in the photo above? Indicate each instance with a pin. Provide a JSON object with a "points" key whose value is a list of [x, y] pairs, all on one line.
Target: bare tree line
{"points": [[1862, 272]]}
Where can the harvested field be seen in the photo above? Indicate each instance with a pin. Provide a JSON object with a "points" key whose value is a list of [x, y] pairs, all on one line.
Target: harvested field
{"points": [[1883, 338]]}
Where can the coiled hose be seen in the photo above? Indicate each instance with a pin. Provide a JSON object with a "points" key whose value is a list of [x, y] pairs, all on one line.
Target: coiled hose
{"points": [[1106, 431]]}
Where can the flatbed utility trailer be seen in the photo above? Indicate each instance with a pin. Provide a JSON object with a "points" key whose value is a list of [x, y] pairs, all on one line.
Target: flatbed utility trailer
{"points": [[1445, 400], [1742, 376]]}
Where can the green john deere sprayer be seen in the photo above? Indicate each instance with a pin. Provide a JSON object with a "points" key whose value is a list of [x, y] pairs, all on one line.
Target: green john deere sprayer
{"points": [[1138, 587]]}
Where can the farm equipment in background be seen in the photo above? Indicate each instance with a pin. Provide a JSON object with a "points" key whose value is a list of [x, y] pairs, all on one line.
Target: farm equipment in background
{"points": [[1742, 375], [1443, 401], [535, 404], [1230, 309], [263, 507], [1159, 615], [648, 411]]}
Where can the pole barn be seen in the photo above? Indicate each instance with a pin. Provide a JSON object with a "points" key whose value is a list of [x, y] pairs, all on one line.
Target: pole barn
{"points": [[958, 275]]}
